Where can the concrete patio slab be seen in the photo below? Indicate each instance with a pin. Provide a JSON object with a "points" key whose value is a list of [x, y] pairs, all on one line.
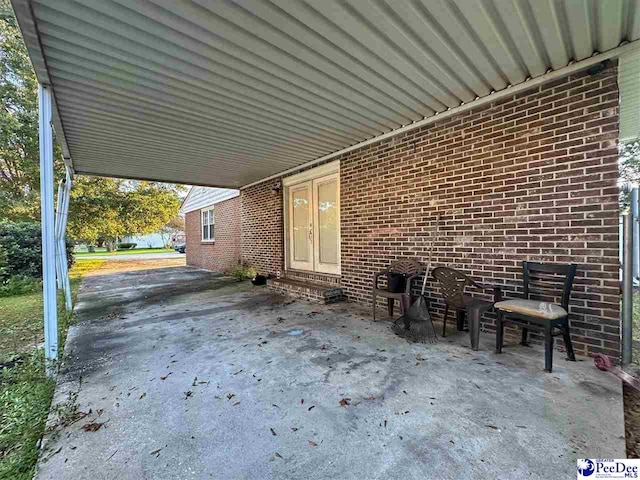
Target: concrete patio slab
{"points": [[194, 376]]}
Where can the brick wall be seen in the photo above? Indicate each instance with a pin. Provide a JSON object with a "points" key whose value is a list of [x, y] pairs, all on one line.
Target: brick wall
{"points": [[530, 177], [262, 227], [224, 253]]}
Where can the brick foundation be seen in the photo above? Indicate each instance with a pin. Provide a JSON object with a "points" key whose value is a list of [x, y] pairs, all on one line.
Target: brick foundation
{"points": [[223, 254], [530, 177]]}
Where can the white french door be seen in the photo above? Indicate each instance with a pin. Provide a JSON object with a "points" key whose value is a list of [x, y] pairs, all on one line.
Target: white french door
{"points": [[314, 224]]}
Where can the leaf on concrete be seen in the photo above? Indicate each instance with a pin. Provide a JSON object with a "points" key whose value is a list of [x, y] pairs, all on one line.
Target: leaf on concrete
{"points": [[344, 402], [273, 432], [166, 376], [313, 444], [156, 452], [92, 427]]}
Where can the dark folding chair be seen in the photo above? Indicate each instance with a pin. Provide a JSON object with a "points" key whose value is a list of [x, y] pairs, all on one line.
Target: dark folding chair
{"points": [[539, 310]]}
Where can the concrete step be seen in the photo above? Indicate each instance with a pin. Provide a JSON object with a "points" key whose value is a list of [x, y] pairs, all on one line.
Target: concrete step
{"points": [[315, 292]]}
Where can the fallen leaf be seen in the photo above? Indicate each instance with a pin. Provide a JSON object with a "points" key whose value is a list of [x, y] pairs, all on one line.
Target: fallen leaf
{"points": [[165, 377], [187, 394], [370, 398], [273, 432], [235, 404], [156, 452], [92, 427], [493, 427], [230, 396], [313, 444], [295, 429], [344, 402], [311, 407], [144, 394], [278, 455]]}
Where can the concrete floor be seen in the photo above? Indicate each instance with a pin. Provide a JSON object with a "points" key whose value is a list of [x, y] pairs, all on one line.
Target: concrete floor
{"points": [[197, 377]]}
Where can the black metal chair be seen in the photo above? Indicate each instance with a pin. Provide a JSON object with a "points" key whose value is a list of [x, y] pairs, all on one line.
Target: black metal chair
{"points": [[452, 285], [539, 310]]}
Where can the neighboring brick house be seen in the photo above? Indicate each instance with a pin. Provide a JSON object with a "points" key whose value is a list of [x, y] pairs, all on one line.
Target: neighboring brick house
{"points": [[212, 228], [529, 177]]}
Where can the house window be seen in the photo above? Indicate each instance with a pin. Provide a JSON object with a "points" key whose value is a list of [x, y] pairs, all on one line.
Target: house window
{"points": [[207, 223]]}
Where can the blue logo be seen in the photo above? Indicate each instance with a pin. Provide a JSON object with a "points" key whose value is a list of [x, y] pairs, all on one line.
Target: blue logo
{"points": [[586, 467]]}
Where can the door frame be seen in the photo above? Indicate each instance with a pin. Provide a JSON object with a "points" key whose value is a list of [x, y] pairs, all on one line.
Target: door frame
{"points": [[293, 180]]}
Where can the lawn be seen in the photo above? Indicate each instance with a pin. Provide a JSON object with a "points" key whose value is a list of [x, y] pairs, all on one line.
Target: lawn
{"points": [[136, 251], [25, 391]]}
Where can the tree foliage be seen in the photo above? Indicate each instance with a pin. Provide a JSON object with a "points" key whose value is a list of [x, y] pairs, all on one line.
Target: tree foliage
{"points": [[629, 169], [107, 208], [19, 157], [100, 208]]}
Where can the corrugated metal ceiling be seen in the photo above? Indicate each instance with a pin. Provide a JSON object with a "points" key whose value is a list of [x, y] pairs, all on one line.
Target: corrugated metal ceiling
{"points": [[224, 93]]}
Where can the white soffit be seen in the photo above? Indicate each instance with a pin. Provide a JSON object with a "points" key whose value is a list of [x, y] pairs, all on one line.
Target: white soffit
{"points": [[200, 197], [224, 93], [629, 84]]}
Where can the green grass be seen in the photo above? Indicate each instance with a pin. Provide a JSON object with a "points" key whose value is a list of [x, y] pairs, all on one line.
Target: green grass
{"points": [[136, 251], [25, 390]]}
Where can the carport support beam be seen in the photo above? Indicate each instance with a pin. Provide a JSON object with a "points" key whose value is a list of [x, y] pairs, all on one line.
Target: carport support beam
{"points": [[48, 226]]}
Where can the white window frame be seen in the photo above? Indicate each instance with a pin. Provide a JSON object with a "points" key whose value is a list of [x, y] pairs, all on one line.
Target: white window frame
{"points": [[210, 221]]}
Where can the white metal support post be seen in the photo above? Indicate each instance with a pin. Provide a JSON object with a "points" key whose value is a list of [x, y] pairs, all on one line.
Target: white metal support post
{"points": [[47, 222], [56, 234], [62, 243]]}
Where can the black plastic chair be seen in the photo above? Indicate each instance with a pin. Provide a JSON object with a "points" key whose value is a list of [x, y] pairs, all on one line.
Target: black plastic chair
{"points": [[538, 310], [452, 285]]}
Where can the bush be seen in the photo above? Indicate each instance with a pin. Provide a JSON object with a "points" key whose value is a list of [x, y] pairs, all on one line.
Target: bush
{"points": [[243, 272], [126, 246], [19, 285], [22, 250]]}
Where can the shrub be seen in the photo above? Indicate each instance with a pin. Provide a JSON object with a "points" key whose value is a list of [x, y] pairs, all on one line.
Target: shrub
{"points": [[19, 285], [242, 272], [126, 246], [20, 242]]}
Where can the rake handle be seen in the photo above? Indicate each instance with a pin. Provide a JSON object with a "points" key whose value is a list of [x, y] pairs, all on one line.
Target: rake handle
{"points": [[426, 273]]}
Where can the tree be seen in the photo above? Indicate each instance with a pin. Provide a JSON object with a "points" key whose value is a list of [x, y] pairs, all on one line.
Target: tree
{"points": [[175, 225], [629, 170], [19, 155], [106, 208]]}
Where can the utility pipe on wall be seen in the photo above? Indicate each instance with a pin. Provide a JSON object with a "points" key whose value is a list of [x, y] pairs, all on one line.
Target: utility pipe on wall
{"points": [[627, 289]]}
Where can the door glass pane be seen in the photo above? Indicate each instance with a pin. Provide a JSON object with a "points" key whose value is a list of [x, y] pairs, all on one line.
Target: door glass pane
{"points": [[328, 222], [300, 224]]}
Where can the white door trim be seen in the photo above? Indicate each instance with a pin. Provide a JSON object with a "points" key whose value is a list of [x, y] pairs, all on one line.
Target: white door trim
{"points": [[308, 176]]}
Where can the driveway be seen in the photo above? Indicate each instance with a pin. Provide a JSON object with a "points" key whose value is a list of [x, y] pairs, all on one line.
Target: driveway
{"points": [[186, 375]]}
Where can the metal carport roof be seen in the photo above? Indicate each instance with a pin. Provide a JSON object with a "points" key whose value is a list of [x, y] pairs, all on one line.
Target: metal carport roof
{"points": [[224, 93]]}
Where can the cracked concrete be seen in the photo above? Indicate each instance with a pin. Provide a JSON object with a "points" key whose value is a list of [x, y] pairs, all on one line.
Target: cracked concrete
{"points": [[195, 376]]}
